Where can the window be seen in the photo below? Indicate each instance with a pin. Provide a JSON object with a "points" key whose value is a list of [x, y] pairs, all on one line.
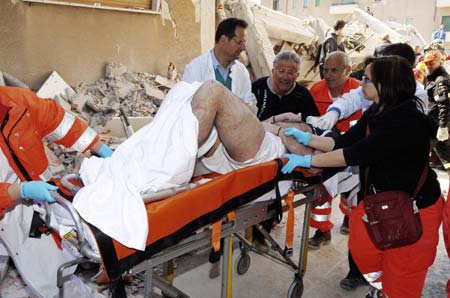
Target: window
{"points": [[305, 3], [347, 2], [131, 5], [317, 3], [276, 5], [446, 22], [294, 4]]}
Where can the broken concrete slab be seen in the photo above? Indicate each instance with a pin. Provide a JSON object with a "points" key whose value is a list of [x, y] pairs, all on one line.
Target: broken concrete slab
{"points": [[154, 92], [79, 100], [10, 80], [115, 126], [164, 82], [56, 88]]}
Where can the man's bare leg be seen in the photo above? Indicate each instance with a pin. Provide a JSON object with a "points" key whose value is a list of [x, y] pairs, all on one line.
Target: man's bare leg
{"points": [[239, 130]]}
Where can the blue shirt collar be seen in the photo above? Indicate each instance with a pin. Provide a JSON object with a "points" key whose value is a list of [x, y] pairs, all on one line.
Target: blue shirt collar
{"points": [[223, 71]]}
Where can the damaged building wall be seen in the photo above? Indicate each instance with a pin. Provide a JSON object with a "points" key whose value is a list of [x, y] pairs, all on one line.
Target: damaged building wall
{"points": [[77, 42]]}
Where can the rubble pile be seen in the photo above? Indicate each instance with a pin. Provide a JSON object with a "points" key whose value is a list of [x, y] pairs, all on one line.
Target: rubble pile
{"points": [[137, 94]]}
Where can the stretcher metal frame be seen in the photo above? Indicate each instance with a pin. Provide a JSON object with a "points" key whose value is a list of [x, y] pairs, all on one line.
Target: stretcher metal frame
{"points": [[246, 216]]}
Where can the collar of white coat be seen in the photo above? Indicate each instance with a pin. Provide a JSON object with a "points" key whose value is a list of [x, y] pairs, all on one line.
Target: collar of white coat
{"points": [[218, 66]]}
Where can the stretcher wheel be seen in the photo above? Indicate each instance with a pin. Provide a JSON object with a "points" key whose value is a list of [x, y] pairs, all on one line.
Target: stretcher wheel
{"points": [[296, 288], [243, 263]]}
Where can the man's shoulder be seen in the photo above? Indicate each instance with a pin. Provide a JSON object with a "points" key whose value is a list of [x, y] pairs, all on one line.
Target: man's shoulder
{"points": [[200, 59], [301, 87], [352, 83], [260, 83]]}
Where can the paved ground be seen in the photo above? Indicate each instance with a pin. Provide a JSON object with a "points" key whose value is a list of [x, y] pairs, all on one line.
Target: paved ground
{"points": [[326, 267]]}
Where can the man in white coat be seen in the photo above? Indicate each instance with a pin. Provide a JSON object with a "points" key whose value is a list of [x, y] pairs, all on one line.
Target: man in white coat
{"points": [[221, 62]]}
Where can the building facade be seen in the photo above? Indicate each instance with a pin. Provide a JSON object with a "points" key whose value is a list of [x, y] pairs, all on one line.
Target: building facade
{"points": [[78, 37]]}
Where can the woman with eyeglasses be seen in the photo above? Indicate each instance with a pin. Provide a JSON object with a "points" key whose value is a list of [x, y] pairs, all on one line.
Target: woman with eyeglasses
{"points": [[395, 148]]}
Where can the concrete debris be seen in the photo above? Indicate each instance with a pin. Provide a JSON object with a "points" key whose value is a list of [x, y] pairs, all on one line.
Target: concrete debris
{"points": [[114, 70], [8, 80], [139, 94], [164, 82], [271, 31], [55, 87]]}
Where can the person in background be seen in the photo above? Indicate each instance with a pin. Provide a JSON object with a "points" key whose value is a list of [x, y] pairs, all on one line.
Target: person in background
{"points": [[336, 82], [385, 41], [332, 43], [437, 86], [440, 33], [221, 62], [354, 100], [391, 141], [417, 51], [279, 96]]}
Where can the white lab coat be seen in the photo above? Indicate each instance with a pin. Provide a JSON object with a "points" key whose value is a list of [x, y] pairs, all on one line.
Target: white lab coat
{"points": [[354, 101], [201, 69]]}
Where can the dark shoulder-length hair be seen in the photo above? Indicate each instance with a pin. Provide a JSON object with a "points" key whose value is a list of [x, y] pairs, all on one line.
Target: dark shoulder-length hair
{"points": [[394, 80]]}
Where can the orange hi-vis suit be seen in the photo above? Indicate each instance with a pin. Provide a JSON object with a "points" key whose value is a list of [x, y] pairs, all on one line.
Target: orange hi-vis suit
{"points": [[320, 215], [28, 120], [399, 272]]}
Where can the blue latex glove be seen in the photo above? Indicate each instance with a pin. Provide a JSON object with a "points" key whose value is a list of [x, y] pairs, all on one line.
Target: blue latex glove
{"points": [[295, 160], [300, 136], [37, 190], [105, 151]]}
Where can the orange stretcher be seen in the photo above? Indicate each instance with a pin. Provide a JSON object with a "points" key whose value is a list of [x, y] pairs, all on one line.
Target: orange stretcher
{"points": [[222, 202]]}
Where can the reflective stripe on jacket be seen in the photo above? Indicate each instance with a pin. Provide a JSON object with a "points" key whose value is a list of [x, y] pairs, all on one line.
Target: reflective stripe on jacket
{"points": [[30, 119]]}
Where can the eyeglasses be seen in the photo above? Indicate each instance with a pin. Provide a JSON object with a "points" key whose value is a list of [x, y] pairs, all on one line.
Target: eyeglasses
{"points": [[289, 72], [238, 41], [365, 80]]}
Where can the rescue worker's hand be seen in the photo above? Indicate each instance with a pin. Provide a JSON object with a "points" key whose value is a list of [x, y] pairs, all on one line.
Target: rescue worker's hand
{"points": [[105, 151], [442, 134], [287, 117], [295, 160], [300, 136], [37, 190], [326, 121]]}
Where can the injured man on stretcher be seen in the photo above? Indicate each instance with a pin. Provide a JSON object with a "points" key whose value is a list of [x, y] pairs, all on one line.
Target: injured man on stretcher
{"points": [[196, 123]]}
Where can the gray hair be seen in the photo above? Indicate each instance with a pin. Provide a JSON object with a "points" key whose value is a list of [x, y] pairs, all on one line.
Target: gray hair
{"points": [[286, 55], [343, 55]]}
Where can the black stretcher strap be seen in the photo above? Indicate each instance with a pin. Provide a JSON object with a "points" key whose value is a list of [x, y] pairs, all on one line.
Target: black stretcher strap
{"points": [[111, 262], [278, 206]]}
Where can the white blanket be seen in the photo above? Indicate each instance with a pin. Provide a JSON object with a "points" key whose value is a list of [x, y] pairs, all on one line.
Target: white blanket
{"points": [[160, 155]]}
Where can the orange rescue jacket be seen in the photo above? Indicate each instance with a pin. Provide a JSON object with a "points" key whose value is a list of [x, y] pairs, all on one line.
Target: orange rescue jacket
{"points": [[29, 120], [321, 95]]}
